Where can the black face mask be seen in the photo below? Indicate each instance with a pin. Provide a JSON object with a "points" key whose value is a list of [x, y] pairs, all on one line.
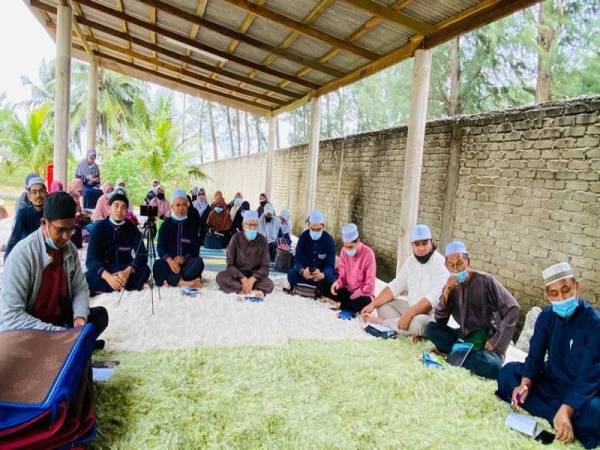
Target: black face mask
{"points": [[194, 197], [263, 202], [160, 196], [423, 259], [268, 219]]}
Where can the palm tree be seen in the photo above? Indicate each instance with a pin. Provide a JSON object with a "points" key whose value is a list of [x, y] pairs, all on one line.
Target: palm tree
{"points": [[156, 140], [29, 142]]}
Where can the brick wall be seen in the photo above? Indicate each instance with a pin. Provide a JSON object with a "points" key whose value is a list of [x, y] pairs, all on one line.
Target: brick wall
{"points": [[528, 189]]}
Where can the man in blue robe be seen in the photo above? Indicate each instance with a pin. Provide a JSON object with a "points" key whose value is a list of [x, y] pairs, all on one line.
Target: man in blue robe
{"points": [[564, 388]]}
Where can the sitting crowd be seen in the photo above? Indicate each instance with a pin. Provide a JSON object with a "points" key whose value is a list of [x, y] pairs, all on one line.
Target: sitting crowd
{"points": [[44, 286]]}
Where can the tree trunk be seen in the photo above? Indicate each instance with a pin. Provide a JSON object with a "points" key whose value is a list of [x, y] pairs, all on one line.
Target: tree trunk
{"points": [[247, 126], [230, 130], [546, 37], [453, 107], [213, 134], [277, 141], [200, 136], [239, 132], [328, 116], [183, 120], [257, 127]]}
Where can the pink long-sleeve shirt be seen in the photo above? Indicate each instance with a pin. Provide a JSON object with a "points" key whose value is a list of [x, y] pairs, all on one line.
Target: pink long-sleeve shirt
{"points": [[357, 273]]}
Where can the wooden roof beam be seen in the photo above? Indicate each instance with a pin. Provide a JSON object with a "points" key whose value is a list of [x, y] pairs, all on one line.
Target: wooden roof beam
{"points": [[369, 25], [303, 28], [195, 44], [135, 66], [392, 15], [184, 72], [184, 15], [200, 10], [119, 6], [166, 52]]}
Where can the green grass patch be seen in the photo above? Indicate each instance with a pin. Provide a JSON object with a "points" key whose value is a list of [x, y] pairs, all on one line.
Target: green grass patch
{"points": [[308, 395]]}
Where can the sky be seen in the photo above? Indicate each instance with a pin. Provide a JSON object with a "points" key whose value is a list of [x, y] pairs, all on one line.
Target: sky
{"points": [[24, 44]]}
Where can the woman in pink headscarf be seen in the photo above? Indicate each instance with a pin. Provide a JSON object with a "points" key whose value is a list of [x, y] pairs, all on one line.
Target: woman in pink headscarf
{"points": [[56, 186], [102, 210]]}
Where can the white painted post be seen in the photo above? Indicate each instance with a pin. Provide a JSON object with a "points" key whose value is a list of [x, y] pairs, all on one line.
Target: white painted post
{"points": [[62, 91], [270, 156], [413, 159], [313, 155], [92, 109]]}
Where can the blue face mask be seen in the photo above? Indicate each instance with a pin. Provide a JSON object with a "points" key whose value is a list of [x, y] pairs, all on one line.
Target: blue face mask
{"points": [[462, 276], [250, 234], [351, 251], [237, 201], [316, 235], [218, 210], [50, 243], [178, 218], [565, 308]]}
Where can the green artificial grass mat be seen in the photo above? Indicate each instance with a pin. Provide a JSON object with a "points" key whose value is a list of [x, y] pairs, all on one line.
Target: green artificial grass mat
{"points": [[307, 395]]}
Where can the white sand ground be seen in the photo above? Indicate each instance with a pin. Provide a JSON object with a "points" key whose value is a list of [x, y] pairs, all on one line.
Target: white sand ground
{"points": [[216, 319]]}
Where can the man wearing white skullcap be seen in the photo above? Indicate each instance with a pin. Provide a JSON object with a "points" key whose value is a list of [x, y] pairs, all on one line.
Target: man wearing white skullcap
{"points": [[247, 261], [421, 278], [560, 378], [179, 247], [355, 286], [314, 261], [486, 313]]}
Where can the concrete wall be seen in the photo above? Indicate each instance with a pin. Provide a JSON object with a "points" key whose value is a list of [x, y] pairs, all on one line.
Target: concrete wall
{"points": [[528, 190]]}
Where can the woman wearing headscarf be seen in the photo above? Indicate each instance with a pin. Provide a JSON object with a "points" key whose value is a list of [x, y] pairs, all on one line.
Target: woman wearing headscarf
{"points": [[235, 205], [263, 200], [239, 218], [56, 186], [102, 210], [219, 221], [285, 231], [164, 208], [269, 226], [75, 190], [218, 198], [204, 209]]}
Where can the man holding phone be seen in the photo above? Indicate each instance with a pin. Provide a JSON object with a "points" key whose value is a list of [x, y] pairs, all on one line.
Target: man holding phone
{"points": [[563, 388], [485, 311]]}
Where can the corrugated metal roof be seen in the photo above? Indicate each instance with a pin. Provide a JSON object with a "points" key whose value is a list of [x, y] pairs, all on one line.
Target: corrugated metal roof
{"points": [[297, 68]]}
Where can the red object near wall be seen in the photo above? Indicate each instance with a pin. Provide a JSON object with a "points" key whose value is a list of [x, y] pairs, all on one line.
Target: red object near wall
{"points": [[49, 175]]}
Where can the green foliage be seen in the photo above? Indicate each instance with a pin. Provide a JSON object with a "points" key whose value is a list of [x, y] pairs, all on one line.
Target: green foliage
{"points": [[28, 142]]}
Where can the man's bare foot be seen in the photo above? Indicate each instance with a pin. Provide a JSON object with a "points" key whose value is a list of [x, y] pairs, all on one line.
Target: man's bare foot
{"points": [[195, 283], [373, 318], [437, 352]]}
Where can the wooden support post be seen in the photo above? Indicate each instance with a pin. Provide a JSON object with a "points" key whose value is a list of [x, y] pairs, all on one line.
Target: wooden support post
{"points": [[451, 185], [64, 21], [313, 155], [92, 109], [413, 159], [270, 156]]}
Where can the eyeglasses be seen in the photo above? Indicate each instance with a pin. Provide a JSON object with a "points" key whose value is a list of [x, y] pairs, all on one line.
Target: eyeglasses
{"points": [[38, 191]]}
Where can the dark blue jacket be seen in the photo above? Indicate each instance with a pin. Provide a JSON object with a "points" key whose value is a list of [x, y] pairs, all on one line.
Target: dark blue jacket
{"points": [[573, 346], [27, 221], [178, 238], [113, 247], [318, 254]]}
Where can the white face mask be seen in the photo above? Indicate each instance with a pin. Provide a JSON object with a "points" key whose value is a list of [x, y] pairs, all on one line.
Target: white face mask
{"points": [[178, 218], [116, 223]]}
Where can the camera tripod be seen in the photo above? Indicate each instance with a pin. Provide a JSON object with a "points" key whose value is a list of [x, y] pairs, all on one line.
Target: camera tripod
{"points": [[147, 235]]}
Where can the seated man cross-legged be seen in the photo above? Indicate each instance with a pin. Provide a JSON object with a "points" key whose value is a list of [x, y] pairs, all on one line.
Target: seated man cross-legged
{"points": [[314, 261], [113, 245], [355, 287], [560, 378], [178, 248], [485, 311], [43, 287], [422, 277], [247, 261]]}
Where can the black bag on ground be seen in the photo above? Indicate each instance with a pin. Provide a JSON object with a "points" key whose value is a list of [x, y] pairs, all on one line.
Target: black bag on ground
{"points": [[214, 241], [380, 334], [305, 290], [283, 260]]}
